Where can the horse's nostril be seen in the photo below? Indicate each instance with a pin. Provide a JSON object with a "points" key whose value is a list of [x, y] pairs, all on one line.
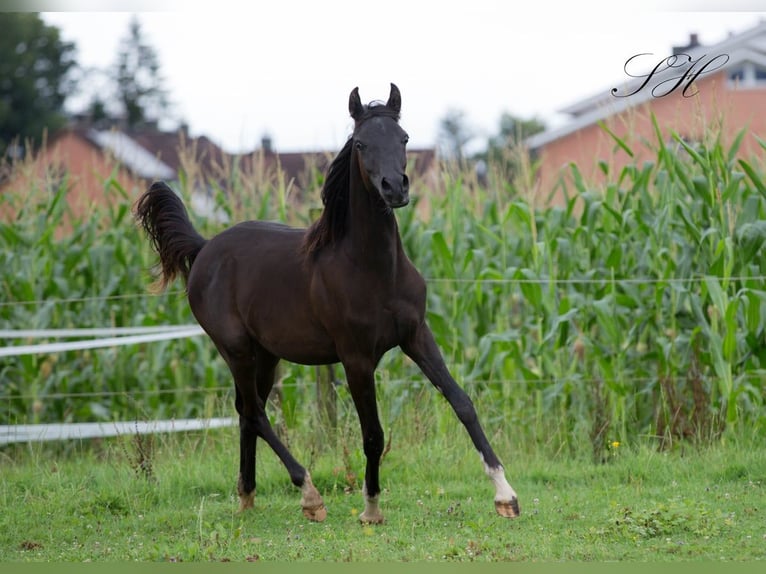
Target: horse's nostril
{"points": [[386, 185]]}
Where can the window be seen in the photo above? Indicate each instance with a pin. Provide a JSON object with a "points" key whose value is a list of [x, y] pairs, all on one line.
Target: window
{"points": [[736, 75], [747, 75]]}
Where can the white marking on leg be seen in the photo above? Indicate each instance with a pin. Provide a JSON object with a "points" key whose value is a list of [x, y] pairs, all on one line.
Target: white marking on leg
{"points": [[245, 500], [372, 513], [308, 490], [503, 491], [506, 502], [311, 501]]}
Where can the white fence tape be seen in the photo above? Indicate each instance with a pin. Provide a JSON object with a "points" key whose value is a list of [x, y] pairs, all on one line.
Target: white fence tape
{"points": [[110, 337], [49, 432], [171, 333], [87, 332]]}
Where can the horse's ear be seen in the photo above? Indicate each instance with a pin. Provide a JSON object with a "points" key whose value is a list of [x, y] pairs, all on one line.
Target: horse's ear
{"points": [[355, 107], [394, 99]]}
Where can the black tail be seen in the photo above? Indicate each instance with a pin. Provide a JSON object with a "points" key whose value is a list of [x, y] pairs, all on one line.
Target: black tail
{"points": [[164, 218]]}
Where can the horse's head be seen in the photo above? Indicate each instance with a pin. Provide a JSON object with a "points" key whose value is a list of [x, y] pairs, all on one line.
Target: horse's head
{"points": [[379, 147]]}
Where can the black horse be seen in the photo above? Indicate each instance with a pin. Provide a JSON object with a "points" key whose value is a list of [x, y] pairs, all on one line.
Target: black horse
{"points": [[342, 290]]}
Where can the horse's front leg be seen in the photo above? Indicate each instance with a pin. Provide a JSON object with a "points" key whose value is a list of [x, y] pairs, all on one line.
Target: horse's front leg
{"points": [[361, 384], [422, 349]]}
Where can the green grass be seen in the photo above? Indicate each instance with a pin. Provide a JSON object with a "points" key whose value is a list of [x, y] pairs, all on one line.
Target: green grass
{"points": [[89, 502]]}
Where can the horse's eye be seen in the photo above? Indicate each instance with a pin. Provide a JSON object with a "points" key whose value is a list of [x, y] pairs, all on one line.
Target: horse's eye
{"points": [[359, 145], [405, 140]]}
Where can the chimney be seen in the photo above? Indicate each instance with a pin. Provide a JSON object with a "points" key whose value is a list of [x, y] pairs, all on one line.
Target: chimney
{"points": [[266, 144], [693, 40], [693, 43]]}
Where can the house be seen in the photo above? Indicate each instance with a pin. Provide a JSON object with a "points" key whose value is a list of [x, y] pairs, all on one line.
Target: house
{"points": [[88, 156], [85, 158], [691, 91]]}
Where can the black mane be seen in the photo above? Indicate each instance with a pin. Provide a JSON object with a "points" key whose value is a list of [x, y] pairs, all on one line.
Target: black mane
{"points": [[331, 225]]}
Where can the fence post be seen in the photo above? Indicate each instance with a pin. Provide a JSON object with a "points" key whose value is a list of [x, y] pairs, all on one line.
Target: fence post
{"points": [[326, 397]]}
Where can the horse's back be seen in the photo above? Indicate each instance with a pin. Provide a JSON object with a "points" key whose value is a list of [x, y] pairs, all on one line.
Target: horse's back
{"points": [[250, 247], [249, 254]]}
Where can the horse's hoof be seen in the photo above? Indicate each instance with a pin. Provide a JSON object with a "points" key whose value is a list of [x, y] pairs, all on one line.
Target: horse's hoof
{"points": [[508, 508], [365, 518], [246, 501], [315, 513]]}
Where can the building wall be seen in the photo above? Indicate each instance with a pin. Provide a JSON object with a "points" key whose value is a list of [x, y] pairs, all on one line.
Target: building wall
{"points": [[691, 117], [86, 169]]}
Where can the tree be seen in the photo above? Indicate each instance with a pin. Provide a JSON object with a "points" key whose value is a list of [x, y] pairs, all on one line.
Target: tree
{"points": [[513, 131], [35, 78], [506, 152], [137, 78], [454, 134]]}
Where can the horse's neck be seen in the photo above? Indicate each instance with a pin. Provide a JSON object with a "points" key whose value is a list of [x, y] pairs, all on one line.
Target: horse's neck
{"points": [[373, 235]]}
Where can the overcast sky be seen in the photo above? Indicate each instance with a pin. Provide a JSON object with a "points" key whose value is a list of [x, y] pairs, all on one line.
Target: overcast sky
{"points": [[286, 67]]}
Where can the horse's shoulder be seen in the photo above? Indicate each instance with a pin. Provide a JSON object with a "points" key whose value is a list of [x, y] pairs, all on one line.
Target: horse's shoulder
{"points": [[409, 276]]}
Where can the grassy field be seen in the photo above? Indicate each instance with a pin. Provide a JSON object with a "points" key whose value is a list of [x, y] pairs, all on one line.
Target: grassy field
{"points": [[615, 346], [174, 500]]}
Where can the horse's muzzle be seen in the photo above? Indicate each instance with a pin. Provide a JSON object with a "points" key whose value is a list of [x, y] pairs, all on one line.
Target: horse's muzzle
{"points": [[396, 195], [400, 203]]}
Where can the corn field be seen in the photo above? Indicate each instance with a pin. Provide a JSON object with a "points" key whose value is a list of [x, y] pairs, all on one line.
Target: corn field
{"points": [[636, 308]]}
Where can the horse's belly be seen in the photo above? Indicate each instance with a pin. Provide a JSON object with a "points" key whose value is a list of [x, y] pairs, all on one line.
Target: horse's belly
{"points": [[297, 342]]}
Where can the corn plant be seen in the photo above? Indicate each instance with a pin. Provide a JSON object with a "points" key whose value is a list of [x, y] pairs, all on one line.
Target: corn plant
{"points": [[634, 308]]}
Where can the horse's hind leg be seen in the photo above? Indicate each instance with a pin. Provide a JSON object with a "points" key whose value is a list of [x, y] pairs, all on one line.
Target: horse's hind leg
{"points": [[423, 350], [254, 377], [247, 442], [311, 501], [244, 370]]}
